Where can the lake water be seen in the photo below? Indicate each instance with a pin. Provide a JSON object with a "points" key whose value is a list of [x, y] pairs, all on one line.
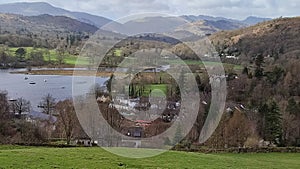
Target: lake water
{"points": [[60, 87]]}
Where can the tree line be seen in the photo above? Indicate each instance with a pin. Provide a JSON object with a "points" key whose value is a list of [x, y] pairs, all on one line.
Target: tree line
{"points": [[22, 58]]}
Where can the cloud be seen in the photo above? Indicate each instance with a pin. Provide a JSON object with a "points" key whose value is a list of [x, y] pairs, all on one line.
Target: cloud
{"points": [[237, 9]]}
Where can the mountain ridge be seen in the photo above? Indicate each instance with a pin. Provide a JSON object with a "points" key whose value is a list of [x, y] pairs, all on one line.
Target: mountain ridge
{"points": [[43, 30], [250, 20], [40, 8]]}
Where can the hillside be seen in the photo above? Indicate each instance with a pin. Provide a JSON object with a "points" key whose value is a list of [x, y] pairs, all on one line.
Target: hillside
{"points": [[277, 39], [252, 20], [61, 22], [46, 30], [40, 8]]}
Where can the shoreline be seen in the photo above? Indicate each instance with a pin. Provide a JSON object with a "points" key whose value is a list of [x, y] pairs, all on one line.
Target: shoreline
{"points": [[67, 73]]}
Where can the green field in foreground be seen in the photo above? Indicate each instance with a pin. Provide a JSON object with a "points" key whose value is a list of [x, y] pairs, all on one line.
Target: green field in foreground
{"points": [[42, 157]]}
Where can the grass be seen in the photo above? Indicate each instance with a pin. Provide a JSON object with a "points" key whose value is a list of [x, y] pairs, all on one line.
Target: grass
{"points": [[42, 157], [156, 90], [69, 59], [118, 52]]}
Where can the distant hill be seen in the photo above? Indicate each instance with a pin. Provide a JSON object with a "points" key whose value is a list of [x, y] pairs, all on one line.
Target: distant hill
{"points": [[193, 18], [178, 25], [251, 20], [156, 24], [43, 30], [13, 23], [39, 8]]}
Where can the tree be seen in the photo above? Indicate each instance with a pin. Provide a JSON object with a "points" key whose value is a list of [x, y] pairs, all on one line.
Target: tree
{"points": [[292, 121], [178, 135], [246, 70], [60, 55], [3, 105], [67, 118], [20, 106], [199, 83], [37, 58], [4, 56], [5, 119], [48, 104], [263, 109], [293, 107], [47, 54], [131, 90], [109, 83], [274, 76], [237, 130], [259, 61], [20, 131], [290, 125], [180, 87], [20, 54], [30, 132], [273, 123]]}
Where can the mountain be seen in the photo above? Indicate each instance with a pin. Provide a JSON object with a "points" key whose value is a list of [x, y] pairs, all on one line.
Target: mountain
{"points": [[148, 24], [155, 24], [159, 24], [193, 18], [43, 30], [252, 20], [277, 39], [39, 8], [225, 24], [15, 23]]}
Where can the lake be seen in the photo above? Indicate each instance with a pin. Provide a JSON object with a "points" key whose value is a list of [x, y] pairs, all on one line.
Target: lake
{"points": [[60, 87]]}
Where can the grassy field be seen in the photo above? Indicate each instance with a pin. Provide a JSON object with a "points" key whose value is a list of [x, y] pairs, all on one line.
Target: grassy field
{"points": [[69, 59], [42, 157], [156, 90]]}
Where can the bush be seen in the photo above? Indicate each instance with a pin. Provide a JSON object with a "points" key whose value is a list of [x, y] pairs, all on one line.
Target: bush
{"points": [[252, 141], [30, 133]]}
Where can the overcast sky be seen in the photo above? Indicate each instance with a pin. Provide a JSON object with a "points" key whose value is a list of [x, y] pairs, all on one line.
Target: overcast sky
{"points": [[237, 9]]}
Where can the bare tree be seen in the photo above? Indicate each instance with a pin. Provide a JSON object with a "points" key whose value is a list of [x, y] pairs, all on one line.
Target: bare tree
{"points": [[237, 130], [67, 118], [60, 55], [6, 129], [4, 107], [20, 106], [48, 104]]}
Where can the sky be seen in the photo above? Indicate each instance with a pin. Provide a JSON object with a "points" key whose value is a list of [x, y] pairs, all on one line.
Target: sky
{"points": [[235, 9]]}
